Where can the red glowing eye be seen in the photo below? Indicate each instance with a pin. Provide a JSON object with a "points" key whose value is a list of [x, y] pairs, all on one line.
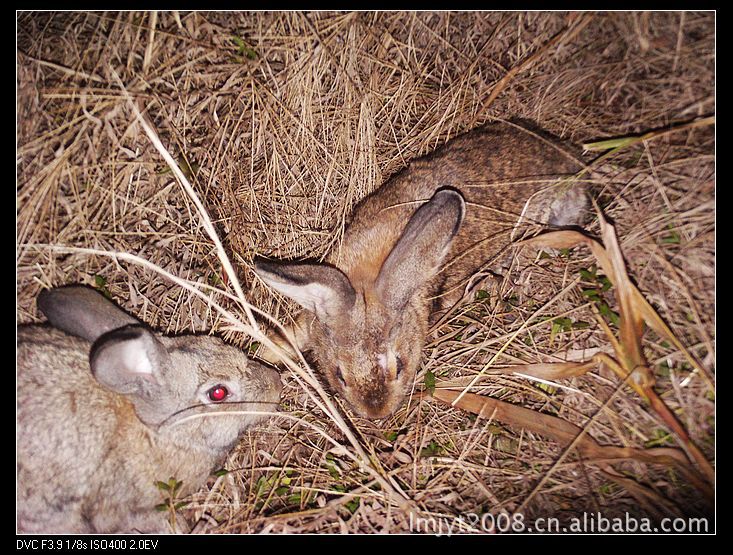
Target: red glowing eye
{"points": [[218, 393]]}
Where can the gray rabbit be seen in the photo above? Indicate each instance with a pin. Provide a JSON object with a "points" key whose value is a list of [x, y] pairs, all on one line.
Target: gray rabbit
{"points": [[410, 250], [102, 415]]}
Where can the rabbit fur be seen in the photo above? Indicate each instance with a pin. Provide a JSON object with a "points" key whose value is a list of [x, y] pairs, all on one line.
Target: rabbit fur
{"points": [[410, 250], [101, 415]]}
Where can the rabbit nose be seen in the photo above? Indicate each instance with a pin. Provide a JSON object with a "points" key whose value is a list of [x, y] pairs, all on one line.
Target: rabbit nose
{"points": [[274, 381], [376, 399], [268, 378], [377, 411]]}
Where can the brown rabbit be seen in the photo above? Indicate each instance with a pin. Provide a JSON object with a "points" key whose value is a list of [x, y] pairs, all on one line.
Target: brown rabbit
{"points": [[411, 248], [101, 415]]}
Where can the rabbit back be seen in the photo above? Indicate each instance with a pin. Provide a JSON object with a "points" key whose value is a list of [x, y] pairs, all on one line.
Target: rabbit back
{"points": [[65, 424], [507, 173]]}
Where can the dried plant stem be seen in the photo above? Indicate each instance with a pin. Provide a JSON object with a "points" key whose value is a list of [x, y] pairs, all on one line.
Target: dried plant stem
{"points": [[565, 36], [202, 212], [514, 335]]}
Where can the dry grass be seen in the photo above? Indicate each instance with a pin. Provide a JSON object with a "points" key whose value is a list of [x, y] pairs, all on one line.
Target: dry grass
{"points": [[282, 122]]}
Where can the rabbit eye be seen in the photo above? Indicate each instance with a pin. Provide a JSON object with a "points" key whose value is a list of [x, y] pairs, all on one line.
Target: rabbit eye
{"points": [[340, 376], [218, 393], [400, 366]]}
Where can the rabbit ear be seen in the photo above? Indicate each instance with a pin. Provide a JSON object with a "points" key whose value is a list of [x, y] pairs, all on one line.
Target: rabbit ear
{"points": [[322, 289], [419, 251], [129, 361], [82, 311]]}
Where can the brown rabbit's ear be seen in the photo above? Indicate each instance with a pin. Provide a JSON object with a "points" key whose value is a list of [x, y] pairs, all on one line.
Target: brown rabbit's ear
{"points": [[128, 360], [82, 311], [419, 251], [322, 289]]}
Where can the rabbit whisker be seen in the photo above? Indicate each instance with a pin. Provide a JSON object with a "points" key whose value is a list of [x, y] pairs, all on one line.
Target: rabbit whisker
{"points": [[211, 410]]}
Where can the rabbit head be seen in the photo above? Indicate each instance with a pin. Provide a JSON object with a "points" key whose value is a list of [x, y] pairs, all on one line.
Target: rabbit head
{"points": [[105, 415], [366, 327], [173, 382], [163, 376]]}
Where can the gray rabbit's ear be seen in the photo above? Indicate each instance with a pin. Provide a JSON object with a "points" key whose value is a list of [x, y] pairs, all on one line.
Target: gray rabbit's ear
{"points": [[322, 289], [82, 311], [421, 248], [129, 361]]}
